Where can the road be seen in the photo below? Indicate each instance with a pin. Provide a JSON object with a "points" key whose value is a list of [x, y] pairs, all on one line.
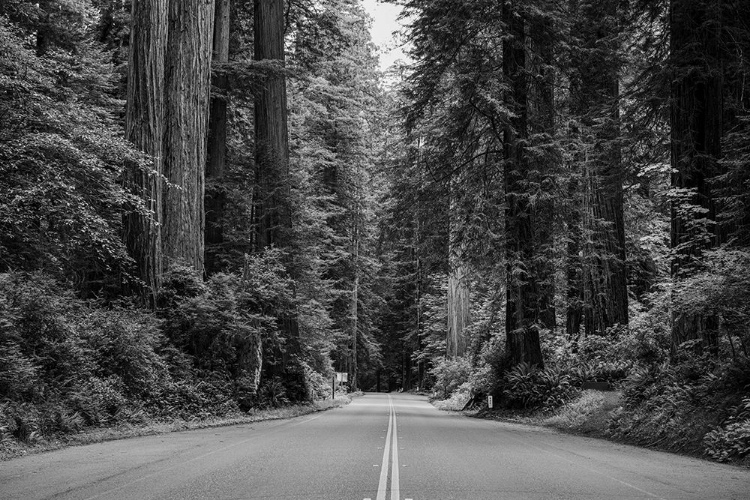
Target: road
{"points": [[380, 447]]}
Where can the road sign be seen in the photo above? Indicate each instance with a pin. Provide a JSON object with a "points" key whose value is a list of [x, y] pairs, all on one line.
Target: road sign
{"points": [[489, 401], [342, 377]]}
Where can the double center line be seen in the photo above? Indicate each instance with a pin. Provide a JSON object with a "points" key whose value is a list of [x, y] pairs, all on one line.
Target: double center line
{"points": [[390, 451]]}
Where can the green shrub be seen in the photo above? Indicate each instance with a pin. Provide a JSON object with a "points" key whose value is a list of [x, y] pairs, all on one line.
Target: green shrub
{"points": [[485, 378], [527, 386], [319, 386], [574, 413], [67, 364], [457, 399], [125, 343], [679, 406], [99, 400], [732, 439], [228, 325], [272, 393], [449, 375]]}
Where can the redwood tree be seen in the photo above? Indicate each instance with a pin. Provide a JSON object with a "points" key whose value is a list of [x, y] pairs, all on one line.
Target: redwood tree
{"points": [[598, 277], [144, 118], [697, 116], [273, 213], [188, 71], [273, 217], [522, 311], [215, 198]]}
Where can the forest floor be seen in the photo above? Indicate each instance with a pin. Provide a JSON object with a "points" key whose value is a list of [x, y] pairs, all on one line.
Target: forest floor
{"points": [[16, 449]]}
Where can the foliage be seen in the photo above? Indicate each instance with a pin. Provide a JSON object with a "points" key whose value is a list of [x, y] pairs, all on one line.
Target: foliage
{"points": [[575, 412], [720, 290], [449, 375], [680, 406], [333, 141], [434, 324], [67, 364], [732, 438], [272, 393], [61, 150], [457, 400], [528, 386], [228, 325]]}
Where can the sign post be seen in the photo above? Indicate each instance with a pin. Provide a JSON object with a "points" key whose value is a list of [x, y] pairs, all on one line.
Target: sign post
{"points": [[489, 401]]}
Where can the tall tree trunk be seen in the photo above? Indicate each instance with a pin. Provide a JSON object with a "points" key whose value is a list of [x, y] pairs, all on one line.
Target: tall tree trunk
{"points": [[215, 198], [697, 128], [355, 247], [273, 212], [574, 215], [595, 96], [250, 348], [187, 96], [542, 124], [144, 118], [458, 311], [354, 309], [522, 333], [574, 262], [44, 30], [458, 290]]}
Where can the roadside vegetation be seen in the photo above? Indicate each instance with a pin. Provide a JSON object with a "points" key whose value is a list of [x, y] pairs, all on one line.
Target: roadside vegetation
{"points": [[72, 371], [698, 404]]}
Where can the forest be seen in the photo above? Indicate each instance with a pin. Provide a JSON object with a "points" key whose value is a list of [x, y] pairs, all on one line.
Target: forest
{"points": [[211, 206]]}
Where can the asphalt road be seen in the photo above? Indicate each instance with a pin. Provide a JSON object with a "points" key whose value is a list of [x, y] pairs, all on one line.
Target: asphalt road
{"points": [[379, 447]]}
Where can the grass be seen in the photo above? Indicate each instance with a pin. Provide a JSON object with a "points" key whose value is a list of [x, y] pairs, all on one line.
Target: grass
{"points": [[13, 449], [589, 413], [456, 402]]}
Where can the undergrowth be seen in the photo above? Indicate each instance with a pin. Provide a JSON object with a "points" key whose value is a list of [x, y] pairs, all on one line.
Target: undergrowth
{"points": [[70, 367], [695, 403], [575, 414]]}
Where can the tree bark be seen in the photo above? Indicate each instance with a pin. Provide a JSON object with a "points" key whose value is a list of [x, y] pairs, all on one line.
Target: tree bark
{"points": [[215, 198], [697, 128], [273, 212], [542, 124], [187, 89], [354, 308], [458, 311], [602, 277], [522, 333], [458, 301], [144, 118]]}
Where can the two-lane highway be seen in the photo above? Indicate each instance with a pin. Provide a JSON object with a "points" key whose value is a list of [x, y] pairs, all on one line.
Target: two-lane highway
{"points": [[379, 447]]}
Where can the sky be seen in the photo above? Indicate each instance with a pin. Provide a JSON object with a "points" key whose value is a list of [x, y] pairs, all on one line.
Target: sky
{"points": [[384, 24]]}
